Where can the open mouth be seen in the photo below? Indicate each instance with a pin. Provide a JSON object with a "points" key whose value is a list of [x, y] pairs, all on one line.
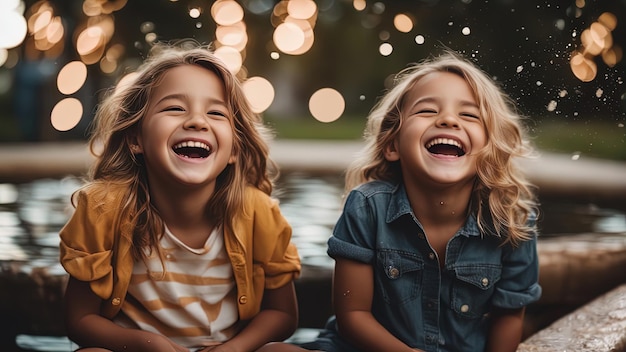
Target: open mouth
{"points": [[192, 150], [445, 146]]}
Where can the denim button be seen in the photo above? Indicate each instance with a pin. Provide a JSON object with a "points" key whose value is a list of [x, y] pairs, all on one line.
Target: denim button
{"points": [[485, 281], [465, 308], [393, 272], [431, 256]]}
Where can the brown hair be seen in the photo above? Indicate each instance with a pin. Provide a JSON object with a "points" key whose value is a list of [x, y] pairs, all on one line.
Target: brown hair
{"points": [[119, 116]]}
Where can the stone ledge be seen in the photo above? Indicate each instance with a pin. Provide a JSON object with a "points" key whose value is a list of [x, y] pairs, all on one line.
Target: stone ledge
{"points": [[596, 327]]}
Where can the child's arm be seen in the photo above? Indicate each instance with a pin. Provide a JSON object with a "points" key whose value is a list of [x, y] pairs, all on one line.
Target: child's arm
{"points": [[88, 328], [506, 329], [353, 287], [276, 321]]}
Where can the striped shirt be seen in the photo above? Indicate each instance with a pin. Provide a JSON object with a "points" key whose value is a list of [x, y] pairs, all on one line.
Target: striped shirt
{"points": [[193, 302]]}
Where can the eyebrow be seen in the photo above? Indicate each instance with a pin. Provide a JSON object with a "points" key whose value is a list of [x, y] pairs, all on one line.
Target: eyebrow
{"points": [[185, 96], [435, 100]]}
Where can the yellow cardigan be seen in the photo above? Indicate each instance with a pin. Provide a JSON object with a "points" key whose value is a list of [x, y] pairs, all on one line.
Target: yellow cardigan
{"points": [[97, 250]]}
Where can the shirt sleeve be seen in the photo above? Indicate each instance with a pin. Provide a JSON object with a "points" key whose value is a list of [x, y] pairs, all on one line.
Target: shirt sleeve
{"points": [[284, 262], [86, 245], [354, 234], [519, 283]]}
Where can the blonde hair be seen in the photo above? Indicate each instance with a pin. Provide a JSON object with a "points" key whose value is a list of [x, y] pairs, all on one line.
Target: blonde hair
{"points": [[118, 120], [502, 198]]}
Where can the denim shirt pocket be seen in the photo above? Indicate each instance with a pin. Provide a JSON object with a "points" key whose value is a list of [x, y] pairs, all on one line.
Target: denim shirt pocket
{"points": [[472, 289], [399, 275]]}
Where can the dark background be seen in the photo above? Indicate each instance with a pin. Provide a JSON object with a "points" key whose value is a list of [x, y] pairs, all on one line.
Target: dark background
{"points": [[505, 35]]}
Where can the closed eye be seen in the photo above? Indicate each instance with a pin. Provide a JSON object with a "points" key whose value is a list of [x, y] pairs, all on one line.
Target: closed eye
{"points": [[216, 113], [425, 111], [173, 108], [473, 116]]}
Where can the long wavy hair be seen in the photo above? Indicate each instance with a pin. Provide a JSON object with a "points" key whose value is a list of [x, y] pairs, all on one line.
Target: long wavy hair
{"points": [[118, 119], [502, 198]]}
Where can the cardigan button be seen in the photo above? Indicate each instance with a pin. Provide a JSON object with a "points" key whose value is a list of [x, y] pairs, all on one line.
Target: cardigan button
{"points": [[243, 299], [116, 301]]}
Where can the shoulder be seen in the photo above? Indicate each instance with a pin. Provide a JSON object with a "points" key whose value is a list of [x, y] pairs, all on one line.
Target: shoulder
{"points": [[373, 188], [254, 197], [100, 197]]}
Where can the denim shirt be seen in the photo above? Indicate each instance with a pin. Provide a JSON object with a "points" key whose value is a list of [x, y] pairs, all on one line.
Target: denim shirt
{"points": [[427, 306]]}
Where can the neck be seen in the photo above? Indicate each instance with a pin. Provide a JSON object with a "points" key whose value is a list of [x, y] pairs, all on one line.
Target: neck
{"points": [[182, 207], [445, 205]]}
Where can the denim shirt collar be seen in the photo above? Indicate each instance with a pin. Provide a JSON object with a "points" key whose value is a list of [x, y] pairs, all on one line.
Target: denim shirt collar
{"points": [[400, 206]]}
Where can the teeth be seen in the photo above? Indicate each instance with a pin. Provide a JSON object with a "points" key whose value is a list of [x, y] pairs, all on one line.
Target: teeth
{"points": [[191, 144], [447, 141]]}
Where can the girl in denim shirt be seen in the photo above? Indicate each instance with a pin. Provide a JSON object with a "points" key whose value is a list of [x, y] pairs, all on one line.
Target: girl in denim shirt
{"points": [[436, 246]]}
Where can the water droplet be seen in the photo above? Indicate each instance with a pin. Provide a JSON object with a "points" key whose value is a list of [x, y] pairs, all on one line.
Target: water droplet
{"points": [[599, 92], [551, 105]]}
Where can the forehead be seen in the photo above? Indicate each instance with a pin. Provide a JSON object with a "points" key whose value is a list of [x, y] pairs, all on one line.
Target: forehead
{"points": [[438, 88], [189, 78]]}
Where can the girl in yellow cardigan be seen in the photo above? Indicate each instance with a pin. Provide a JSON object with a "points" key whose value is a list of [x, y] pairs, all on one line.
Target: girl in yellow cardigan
{"points": [[175, 243]]}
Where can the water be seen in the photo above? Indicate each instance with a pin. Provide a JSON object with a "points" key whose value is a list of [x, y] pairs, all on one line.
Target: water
{"points": [[31, 214]]}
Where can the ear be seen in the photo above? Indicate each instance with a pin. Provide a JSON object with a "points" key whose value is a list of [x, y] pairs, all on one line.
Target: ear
{"points": [[233, 157], [391, 152], [135, 145]]}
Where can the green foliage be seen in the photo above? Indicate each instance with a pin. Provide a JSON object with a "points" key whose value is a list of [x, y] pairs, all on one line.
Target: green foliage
{"points": [[345, 128], [593, 138]]}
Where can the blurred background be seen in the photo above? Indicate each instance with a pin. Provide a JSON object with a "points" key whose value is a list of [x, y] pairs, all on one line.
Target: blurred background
{"points": [[315, 68]]}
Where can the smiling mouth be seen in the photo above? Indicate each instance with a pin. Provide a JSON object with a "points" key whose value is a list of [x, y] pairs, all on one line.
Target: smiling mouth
{"points": [[192, 150], [445, 146]]}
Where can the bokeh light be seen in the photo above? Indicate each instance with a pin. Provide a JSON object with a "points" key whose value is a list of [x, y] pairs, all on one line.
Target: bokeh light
{"points": [[226, 12], [13, 27], [583, 68], [92, 39], [230, 57], [403, 23], [294, 22], [288, 37], [385, 49], [359, 5], [596, 40], [326, 105], [71, 77], [259, 92], [66, 114]]}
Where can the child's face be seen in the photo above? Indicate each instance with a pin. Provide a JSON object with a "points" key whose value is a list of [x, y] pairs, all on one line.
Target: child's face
{"points": [[441, 133], [186, 135]]}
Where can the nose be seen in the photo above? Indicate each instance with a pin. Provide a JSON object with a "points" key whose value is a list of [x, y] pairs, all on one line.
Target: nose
{"points": [[197, 121], [448, 119]]}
